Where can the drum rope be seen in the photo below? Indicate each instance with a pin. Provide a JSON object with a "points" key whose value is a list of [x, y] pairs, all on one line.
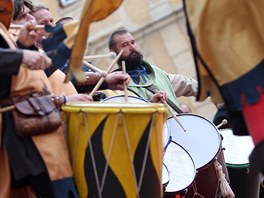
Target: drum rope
{"points": [[92, 155], [146, 153], [224, 185], [196, 191], [109, 154], [160, 156], [76, 146], [130, 153]]}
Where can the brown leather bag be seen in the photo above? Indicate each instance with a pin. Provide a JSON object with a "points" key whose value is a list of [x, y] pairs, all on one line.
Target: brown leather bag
{"points": [[35, 115]]}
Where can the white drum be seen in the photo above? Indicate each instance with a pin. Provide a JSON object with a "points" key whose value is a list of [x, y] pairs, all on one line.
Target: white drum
{"points": [[202, 141], [201, 138], [181, 170], [236, 151], [237, 148], [121, 98]]}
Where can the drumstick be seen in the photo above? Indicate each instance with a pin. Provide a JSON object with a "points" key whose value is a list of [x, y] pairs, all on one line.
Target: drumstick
{"points": [[31, 27], [224, 122], [107, 71], [174, 116], [109, 55], [103, 73], [125, 87], [8, 108]]}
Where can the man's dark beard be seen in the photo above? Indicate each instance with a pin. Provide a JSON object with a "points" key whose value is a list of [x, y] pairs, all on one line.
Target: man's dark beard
{"points": [[132, 61]]}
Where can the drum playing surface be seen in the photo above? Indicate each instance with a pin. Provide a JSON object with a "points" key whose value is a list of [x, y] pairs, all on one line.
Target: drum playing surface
{"points": [[237, 148], [180, 167]]}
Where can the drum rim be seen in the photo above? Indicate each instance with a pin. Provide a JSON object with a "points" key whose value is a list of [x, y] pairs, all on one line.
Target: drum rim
{"points": [[195, 170], [163, 164], [98, 107], [237, 166]]}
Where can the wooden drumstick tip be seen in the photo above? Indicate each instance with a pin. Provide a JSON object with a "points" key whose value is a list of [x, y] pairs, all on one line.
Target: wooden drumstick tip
{"points": [[224, 122]]}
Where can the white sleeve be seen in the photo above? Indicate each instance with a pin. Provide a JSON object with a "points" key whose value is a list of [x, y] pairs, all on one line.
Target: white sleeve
{"points": [[183, 85]]}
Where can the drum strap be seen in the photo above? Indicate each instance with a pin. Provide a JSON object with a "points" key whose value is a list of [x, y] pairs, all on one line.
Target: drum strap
{"points": [[154, 90]]}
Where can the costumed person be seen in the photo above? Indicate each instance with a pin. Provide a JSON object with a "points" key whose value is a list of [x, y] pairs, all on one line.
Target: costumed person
{"points": [[228, 47], [22, 14], [39, 162], [146, 76], [113, 81], [10, 62]]}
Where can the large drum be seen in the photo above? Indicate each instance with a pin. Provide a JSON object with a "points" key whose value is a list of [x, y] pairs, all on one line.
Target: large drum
{"points": [[203, 142], [181, 170], [116, 148], [237, 150]]}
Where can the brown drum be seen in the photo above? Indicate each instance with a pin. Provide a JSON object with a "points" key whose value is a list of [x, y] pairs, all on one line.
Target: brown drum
{"points": [[203, 142]]}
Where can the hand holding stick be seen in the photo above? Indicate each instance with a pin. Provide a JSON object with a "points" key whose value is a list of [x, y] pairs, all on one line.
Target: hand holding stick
{"points": [[103, 73], [107, 71]]}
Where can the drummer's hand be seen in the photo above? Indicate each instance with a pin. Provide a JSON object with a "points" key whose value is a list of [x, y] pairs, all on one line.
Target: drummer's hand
{"points": [[79, 98], [116, 80], [28, 37], [159, 97], [36, 60]]}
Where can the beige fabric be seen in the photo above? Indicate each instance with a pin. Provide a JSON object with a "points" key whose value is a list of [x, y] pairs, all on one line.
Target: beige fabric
{"points": [[28, 81], [183, 85], [52, 146], [58, 85]]}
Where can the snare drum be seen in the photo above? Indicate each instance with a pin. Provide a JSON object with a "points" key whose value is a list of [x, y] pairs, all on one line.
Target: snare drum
{"points": [[236, 152], [116, 148], [203, 142], [181, 170]]}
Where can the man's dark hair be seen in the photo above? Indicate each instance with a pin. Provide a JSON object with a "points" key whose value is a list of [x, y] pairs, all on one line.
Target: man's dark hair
{"points": [[111, 43], [19, 7]]}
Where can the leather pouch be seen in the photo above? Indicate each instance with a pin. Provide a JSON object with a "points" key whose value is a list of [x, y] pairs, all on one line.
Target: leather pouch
{"points": [[35, 115]]}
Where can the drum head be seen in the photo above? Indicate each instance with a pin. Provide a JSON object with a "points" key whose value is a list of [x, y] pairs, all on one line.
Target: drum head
{"points": [[237, 149], [201, 138], [121, 98], [180, 166]]}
